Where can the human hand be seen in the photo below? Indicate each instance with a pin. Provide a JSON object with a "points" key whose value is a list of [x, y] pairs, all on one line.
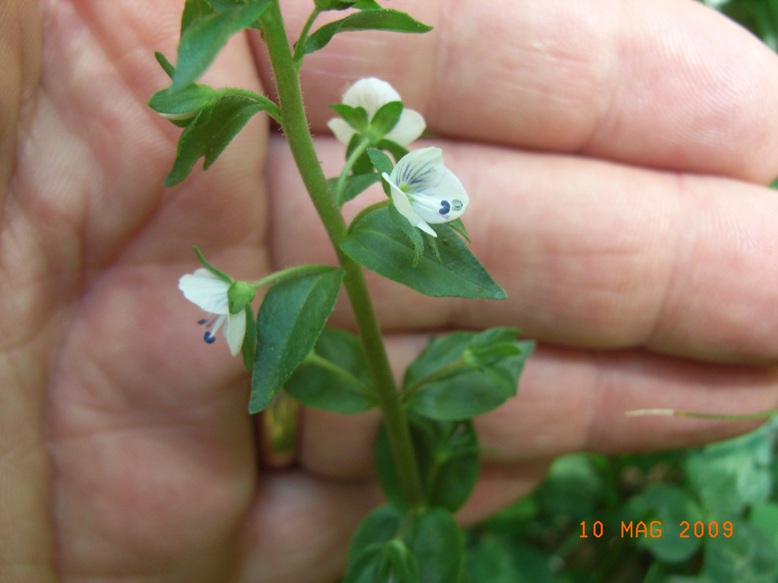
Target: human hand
{"points": [[614, 154]]}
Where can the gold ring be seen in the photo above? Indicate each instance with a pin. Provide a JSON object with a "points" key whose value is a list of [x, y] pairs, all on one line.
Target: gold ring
{"points": [[278, 438]]}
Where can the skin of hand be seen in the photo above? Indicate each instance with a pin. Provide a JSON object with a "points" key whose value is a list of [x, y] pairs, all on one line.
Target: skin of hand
{"points": [[615, 152]]}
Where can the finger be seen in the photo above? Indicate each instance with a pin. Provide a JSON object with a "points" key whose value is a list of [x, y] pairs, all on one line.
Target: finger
{"points": [[590, 253], [664, 84], [300, 526]]}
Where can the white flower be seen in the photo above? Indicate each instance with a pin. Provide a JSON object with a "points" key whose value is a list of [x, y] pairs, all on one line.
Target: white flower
{"points": [[211, 293], [424, 191], [371, 94]]}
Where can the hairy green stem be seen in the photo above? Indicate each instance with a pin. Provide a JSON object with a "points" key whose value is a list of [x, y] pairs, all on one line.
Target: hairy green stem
{"points": [[298, 135]]}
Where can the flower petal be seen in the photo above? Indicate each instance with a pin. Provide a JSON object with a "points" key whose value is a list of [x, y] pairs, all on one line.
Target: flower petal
{"points": [[206, 290], [370, 93], [343, 132], [444, 202], [234, 331], [404, 207], [408, 129]]}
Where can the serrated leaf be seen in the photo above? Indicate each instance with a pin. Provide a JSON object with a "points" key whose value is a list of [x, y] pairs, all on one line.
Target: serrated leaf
{"points": [[211, 131], [383, 19], [448, 457], [341, 383], [441, 385], [205, 36], [376, 243], [290, 320]]}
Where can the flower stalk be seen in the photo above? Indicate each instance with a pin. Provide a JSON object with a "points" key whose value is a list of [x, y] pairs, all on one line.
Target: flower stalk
{"points": [[300, 141]]}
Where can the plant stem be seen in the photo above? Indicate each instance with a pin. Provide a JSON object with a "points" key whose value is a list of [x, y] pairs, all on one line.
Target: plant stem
{"points": [[352, 159], [298, 134]]}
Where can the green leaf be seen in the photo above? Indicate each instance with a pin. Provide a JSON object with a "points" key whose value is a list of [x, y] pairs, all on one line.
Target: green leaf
{"points": [[337, 379], [212, 130], [442, 384], [292, 317], [390, 562], [432, 536], [376, 243], [448, 458], [382, 19], [194, 10], [206, 35], [355, 185]]}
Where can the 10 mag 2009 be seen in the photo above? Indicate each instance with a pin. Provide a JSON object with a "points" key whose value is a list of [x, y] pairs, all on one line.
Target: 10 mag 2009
{"points": [[656, 529]]}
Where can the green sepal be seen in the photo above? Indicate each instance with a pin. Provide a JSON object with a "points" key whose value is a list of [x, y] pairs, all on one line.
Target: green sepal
{"points": [[290, 320], [464, 374], [415, 236], [355, 185], [335, 377], [383, 164], [166, 65], [447, 453], [356, 117], [249, 347], [376, 243], [385, 119], [217, 272], [204, 34], [432, 536], [239, 295], [212, 130], [459, 227], [181, 107], [372, 19]]}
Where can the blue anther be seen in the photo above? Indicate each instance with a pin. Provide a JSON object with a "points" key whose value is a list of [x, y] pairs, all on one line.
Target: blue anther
{"points": [[444, 207], [208, 337]]}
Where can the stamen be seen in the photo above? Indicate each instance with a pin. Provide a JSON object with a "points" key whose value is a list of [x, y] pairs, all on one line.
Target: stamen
{"points": [[445, 207], [208, 337]]}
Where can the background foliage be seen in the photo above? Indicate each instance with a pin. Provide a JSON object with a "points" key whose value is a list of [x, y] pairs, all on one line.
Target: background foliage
{"points": [[575, 526]]}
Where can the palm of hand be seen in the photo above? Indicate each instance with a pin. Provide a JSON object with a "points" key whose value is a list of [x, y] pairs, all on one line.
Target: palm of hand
{"points": [[148, 446]]}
